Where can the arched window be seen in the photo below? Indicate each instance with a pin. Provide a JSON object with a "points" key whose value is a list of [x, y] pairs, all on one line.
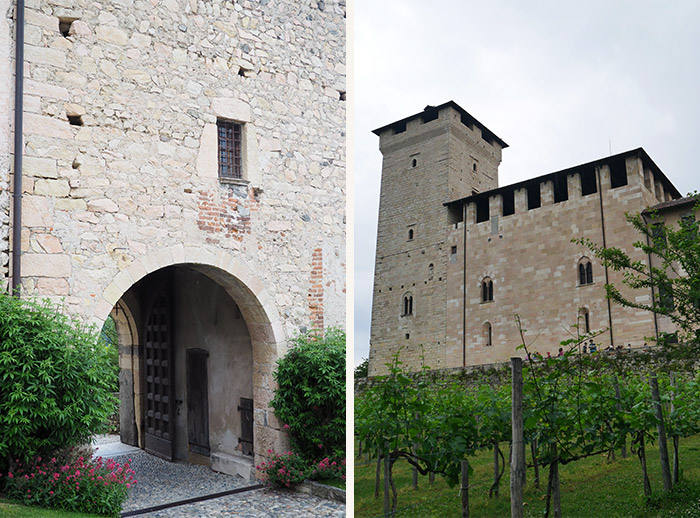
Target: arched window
{"points": [[585, 271], [584, 321], [487, 334], [486, 290], [407, 307], [410, 234]]}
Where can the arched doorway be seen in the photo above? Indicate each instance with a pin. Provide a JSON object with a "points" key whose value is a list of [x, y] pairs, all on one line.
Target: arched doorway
{"points": [[197, 352]]}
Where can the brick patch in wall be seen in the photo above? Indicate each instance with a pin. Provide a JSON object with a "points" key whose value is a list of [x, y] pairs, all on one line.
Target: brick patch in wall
{"points": [[316, 289], [224, 215]]}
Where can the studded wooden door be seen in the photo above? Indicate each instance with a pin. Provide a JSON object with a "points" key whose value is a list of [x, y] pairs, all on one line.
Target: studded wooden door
{"points": [[158, 356]]}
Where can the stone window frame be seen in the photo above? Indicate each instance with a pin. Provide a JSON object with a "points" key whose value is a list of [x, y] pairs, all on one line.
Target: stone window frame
{"points": [[584, 269], [238, 111], [486, 290]]}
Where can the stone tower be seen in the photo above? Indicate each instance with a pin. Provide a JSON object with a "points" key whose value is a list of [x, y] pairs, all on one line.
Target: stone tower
{"points": [[430, 158]]}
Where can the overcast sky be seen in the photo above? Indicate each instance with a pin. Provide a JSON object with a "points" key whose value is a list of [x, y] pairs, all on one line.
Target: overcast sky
{"points": [[563, 83]]}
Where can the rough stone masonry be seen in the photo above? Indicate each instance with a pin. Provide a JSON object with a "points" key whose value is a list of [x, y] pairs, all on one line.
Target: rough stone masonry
{"points": [[120, 178]]}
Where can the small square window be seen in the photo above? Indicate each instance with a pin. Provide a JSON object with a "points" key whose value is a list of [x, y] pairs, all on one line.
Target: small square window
{"points": [[230, 145]]}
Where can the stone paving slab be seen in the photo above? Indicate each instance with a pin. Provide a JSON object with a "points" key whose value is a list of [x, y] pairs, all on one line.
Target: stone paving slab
{"points": [[259, 503], [162, 482]]}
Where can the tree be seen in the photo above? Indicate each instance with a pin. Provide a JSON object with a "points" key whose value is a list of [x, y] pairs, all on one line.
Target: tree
{"points": [[673, 275], [362, 370]]}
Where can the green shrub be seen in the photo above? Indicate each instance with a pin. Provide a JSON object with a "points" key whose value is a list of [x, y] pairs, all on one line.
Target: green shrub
{"points": [[55, 381], [310, 397], [95, 486], [110, 341]]}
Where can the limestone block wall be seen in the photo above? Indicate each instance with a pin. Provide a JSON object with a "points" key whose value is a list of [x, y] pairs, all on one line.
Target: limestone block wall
{"points": [[533, 265]]}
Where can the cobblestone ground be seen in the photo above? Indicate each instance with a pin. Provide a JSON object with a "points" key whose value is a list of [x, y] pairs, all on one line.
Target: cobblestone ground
{"points": [[161, 482]]}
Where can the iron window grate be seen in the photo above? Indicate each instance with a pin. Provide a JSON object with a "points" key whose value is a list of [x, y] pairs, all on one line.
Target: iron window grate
{"points": [[230, 137]]}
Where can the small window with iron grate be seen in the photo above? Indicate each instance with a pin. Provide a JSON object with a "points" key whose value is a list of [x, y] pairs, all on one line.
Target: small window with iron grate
{"points": [[230, 139]]}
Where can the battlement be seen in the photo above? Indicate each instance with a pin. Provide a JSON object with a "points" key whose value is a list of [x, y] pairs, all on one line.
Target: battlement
{"points": [[629, 168], [450, 111]]}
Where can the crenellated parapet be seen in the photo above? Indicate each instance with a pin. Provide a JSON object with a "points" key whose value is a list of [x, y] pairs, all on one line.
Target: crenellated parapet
{"points": [[633, 168]]}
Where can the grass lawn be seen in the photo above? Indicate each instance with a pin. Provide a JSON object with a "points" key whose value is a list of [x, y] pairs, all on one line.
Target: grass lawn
{"points": [[11, 510], [590, 488]]}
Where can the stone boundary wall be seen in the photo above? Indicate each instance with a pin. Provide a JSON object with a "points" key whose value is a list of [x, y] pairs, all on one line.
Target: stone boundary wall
{"points": [[497, 373]]}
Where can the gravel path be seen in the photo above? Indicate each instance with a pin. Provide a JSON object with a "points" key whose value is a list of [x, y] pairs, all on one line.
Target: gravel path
{"points": [[160, 482]]}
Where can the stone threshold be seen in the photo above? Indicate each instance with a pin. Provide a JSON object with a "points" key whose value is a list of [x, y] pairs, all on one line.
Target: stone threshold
{"points": [[313, 488]]}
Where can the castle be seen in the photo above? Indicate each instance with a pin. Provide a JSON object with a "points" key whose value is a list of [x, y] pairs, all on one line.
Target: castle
{"points": [[180, 168], [458, 257]]}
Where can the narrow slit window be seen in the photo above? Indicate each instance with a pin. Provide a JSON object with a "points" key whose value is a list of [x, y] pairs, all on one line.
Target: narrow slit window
{"points": [[230, 144], [584, 321], [488, 334]]}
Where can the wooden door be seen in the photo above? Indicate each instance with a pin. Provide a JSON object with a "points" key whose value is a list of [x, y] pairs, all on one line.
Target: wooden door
{"points": [[158, 371], [198, 401]]}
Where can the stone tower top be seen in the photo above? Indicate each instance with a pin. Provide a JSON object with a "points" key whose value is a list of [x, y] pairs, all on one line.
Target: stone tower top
{"points": [[432, 112]]}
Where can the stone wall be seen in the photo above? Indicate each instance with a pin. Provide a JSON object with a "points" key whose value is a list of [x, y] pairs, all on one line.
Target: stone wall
{"points": [[147, 81], [120, 172], [6, 124]]}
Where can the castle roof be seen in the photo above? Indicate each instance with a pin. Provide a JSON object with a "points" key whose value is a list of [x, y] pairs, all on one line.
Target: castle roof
{"points": [[430, 112], [673, 204], [560, 176]]}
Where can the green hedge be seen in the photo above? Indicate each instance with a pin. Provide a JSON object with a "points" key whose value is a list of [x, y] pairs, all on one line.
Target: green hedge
{"points": [[55, 381], [310, 398]]}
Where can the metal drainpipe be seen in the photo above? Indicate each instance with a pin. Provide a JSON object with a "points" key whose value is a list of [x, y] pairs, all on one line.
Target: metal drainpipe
{"points": [[17, 191], [651, 277], [602, 227], [464, 287]]}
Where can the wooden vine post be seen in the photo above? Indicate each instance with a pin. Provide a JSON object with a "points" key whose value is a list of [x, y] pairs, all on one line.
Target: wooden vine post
{"points": [[661, 429], [464, 490], [675, 437], [618, 405], [387, 481], [517, 465]]}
